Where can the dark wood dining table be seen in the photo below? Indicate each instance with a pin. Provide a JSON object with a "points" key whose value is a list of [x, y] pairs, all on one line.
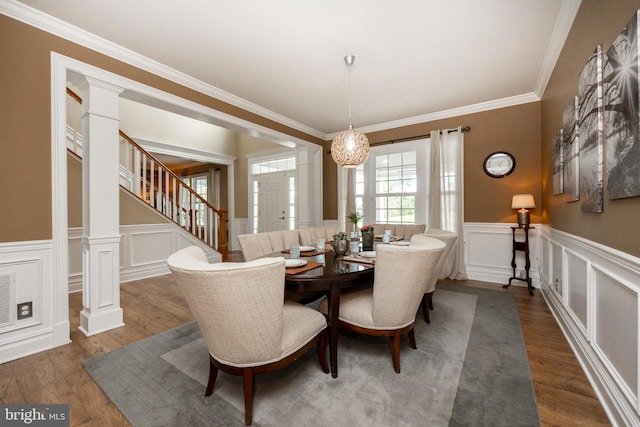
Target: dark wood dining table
{"points": [[332, 277]]}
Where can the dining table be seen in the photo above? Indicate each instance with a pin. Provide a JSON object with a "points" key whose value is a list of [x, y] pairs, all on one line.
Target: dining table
{"points": [[331, 274]]}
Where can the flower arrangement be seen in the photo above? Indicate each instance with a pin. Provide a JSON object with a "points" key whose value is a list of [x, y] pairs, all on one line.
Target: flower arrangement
{"points": [[340, 236], [367, 228]]}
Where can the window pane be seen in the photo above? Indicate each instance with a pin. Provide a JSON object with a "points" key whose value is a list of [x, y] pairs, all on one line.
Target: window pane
{"points": [[381, 202], [410, 186], [395, 159], [382, 187], [395, 202], [395, 186], [360, 188], [409, 158], [382, 161], [394, 216]]}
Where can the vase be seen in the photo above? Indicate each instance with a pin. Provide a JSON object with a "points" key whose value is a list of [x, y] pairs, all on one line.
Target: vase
{"points": [[367, 241], [340, 247]]}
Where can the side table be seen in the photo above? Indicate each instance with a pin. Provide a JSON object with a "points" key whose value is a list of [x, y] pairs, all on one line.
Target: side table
{"points": [[522, 246]]}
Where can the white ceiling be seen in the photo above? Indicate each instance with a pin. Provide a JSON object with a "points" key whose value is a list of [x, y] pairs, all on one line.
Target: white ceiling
{"points": [[415, 59]]}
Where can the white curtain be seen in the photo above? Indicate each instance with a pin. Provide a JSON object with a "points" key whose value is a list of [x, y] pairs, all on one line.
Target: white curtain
{"points": [[446, 194], [346, 195]]}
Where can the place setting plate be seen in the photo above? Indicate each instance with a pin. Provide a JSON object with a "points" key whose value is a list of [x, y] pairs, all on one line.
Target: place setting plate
{"points": [[307, 248], [292, 263], [368, 254]]}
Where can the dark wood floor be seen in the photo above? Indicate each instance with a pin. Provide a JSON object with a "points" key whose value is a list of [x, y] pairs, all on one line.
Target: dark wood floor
{"points": [[563, 394]]}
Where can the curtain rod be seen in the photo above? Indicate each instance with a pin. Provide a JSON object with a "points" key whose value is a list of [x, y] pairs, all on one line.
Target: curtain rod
{"points": [[411, 138]]}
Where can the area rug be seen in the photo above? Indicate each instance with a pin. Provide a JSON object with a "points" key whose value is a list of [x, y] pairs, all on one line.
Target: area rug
{"points": [[470, 369]]}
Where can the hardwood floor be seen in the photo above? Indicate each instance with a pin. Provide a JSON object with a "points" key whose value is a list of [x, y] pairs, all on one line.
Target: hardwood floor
{"points": [[563, 394]]}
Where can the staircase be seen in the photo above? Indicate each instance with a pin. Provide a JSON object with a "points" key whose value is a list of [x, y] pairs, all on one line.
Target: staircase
{"points": [[148, 179]]}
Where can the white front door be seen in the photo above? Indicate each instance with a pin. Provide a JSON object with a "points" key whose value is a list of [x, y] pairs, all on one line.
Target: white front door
{"points": [[272, 202]]}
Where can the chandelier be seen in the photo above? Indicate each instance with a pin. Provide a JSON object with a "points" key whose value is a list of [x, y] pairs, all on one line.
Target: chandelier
{"points": [[350, 148]]}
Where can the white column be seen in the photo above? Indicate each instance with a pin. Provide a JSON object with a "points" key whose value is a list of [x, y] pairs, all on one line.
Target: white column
{"points": [[309, 188], [100, 207]]}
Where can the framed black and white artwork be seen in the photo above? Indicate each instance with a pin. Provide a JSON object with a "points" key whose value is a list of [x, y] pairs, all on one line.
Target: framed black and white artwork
{"points": [[571, 152], [590, 131], [558, 160], [621, 114]]}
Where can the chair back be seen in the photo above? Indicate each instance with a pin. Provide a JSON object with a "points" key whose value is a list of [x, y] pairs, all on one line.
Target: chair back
{"points": [[238, 305], [449, 238], [401, 276]]}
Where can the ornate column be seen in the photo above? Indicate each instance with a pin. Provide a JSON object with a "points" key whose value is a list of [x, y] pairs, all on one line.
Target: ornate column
{"points": [[100, 207]]}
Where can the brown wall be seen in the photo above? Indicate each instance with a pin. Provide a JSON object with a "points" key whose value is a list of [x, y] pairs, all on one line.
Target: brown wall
{"points": [[512, 129], [25, 121], [618, 226]]}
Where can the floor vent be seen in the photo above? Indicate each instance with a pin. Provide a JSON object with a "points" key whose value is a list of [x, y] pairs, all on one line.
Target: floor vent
{"points": [[7, 299]]}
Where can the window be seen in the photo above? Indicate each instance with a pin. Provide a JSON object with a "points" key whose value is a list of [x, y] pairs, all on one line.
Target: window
{"points": [[199, 184], [395, 188], [391, 186]]}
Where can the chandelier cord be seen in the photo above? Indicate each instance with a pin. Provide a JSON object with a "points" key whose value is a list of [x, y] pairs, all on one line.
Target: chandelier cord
{"points": [[350, 125]]}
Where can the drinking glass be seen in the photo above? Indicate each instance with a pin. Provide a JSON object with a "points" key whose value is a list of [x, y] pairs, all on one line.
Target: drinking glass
{"points": [[294, 252], [320, 244]]}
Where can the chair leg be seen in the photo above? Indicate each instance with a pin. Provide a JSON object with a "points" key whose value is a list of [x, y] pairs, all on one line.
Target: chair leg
{"points": [[425, 309], [430, 297], [247, 378], [412, 340], [213, 374], [394, 346], [322, 351]]}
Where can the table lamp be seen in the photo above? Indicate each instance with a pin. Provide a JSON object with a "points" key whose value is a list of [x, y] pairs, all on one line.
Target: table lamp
{"points": [[523, 202]]}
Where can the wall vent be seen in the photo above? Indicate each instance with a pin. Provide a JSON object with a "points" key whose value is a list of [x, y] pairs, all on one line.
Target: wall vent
{"points": [[7, 299]]}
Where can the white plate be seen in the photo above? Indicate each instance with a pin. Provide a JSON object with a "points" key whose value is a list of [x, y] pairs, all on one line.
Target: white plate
{"points": [[307, 248], [294, 262], [400, 243], [368, 254]]}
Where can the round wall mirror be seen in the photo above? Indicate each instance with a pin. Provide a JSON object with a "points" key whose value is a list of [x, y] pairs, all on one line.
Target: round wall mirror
{"points": [[499, 164]]}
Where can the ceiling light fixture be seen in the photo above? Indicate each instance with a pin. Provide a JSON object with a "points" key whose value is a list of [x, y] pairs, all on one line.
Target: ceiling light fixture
{"points": [[350, 148]]}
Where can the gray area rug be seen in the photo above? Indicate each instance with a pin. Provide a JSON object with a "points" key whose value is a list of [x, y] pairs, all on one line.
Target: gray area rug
{"points": [[470, 369]]}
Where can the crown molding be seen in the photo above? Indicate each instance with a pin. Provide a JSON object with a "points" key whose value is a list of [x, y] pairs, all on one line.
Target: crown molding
{"points": [[44, 22], [453, 112], [564, 22], [59, 28]]}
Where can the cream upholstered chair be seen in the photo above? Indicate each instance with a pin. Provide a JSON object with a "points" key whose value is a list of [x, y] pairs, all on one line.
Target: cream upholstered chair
{"points": [[401, 276], [247, 325], [449, 238], [254, 246]]}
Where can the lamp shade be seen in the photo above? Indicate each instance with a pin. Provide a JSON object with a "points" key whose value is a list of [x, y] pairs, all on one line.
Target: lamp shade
{"points": [[522, 201], [350, 148]]}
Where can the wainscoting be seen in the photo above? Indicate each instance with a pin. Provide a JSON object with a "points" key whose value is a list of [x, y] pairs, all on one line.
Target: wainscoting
{"points": [[592, 290], [488, 253], [143, 251], [28, 271]]}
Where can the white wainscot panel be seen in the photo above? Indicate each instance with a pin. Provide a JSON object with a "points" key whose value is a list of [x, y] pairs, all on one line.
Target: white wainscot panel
{"points": [[577, 289], [616, 330], [488, 253], [150, 247], [31, 265]]}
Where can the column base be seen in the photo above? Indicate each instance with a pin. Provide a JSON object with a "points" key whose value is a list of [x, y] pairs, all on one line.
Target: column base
{"points": [[94, 323]]}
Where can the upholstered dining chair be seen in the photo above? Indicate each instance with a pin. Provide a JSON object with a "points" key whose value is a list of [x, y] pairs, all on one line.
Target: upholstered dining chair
{"points": [[389, 308], [248, 326], [449, 238]]}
